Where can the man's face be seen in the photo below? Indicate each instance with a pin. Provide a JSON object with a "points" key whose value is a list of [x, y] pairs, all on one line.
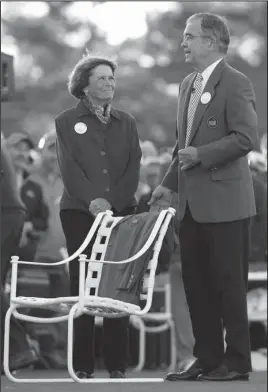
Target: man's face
{"points": [[20, 154], [101, 84], [195, 43]]}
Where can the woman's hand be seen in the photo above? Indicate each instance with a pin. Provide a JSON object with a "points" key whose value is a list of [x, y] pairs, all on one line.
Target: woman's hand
{"points": [[99, 205]]}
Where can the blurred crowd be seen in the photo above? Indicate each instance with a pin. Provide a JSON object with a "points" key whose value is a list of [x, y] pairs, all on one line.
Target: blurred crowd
{"points": [[40, 187]]}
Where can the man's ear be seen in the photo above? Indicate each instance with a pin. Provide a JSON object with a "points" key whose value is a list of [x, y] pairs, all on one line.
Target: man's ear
{"points": [[212, 44]]}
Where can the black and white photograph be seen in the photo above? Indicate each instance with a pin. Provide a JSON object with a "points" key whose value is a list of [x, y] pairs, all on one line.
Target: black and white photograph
{"points": [[133, 196]]}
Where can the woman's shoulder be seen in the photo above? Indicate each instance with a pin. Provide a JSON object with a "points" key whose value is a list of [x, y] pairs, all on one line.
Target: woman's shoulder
{"points": [[65, 114], [122, 114]]}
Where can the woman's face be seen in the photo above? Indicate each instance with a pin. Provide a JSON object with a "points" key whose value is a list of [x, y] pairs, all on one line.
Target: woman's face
{"points": [[49, 158], [101, 84]]}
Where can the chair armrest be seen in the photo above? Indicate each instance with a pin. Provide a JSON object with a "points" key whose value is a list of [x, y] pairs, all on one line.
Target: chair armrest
{"points": [[15, 260], [97, 221]]}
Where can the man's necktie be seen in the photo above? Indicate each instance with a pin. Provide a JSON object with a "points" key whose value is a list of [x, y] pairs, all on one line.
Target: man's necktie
{"points": [[194, 99]]}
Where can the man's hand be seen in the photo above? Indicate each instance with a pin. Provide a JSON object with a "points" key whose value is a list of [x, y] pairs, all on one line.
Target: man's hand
{"points": [[160, 204], [99, 205], [188, 157], [27, 228], [161, 192]]}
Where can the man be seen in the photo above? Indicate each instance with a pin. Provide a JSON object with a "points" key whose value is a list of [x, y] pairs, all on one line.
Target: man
{"points": [[20, 147], [99, 158], [12, 219], [51, 242], [12, 211], [180, 312], [216, 128]]}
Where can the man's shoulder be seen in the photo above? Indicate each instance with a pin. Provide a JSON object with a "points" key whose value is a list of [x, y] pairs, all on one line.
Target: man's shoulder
{"points": [[234, 76]]}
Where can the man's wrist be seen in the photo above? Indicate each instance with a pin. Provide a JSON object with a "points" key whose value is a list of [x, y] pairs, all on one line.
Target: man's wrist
{"points": [[198, 160]]}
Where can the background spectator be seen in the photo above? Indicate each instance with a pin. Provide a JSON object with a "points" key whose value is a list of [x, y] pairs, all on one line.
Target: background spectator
{"points": [[258, 223], [48, 249], [12, 219], [151, 170], [20, 146]]}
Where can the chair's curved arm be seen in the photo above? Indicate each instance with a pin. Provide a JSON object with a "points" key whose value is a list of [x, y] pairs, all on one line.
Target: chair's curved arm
{"points": [[97, 221], [145, 247]]}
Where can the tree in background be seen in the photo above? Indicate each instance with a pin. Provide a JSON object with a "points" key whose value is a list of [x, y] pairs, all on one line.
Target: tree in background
{"points": [[150, 67]]}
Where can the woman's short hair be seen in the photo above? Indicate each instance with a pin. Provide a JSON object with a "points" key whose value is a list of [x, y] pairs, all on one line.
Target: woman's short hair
{"points": [[79, 76], [215, 26]]}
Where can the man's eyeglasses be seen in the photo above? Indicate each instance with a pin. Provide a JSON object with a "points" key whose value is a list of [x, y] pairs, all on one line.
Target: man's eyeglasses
{"points": [[190, 37]]}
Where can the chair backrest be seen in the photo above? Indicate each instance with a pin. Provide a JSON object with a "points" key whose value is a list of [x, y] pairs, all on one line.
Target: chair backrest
{"points": [[152, 244], [149, 277], [98, 253]]}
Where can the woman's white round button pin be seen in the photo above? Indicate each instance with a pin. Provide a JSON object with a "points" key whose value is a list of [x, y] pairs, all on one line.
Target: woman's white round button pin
{"points": [[205, 98], [80, 128]]}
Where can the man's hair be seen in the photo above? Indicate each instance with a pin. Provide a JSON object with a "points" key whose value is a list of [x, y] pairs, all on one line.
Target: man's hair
{"points": [[216, 27], [79, 76]]}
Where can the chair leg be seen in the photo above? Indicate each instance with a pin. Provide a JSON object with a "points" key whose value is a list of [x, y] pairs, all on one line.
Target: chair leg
{"points": [[138, 323], [72, 314], [173, 350], [142, 346], [70, 343], [7, 343], [6, 356], [69, 359]]}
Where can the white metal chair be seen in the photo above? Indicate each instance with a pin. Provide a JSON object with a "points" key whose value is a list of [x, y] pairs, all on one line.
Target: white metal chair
{"points": [[70, 307]]}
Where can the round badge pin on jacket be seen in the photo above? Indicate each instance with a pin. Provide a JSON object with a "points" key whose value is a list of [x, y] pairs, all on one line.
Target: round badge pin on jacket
{"points": [[80, 128], [205, 98]]}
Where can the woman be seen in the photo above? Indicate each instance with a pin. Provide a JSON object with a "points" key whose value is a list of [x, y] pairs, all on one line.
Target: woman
{"points": [[99, 157]]}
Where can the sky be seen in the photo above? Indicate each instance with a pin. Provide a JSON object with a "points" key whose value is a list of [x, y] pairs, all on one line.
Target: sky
{"points": [[119, 20], [131, 14]]}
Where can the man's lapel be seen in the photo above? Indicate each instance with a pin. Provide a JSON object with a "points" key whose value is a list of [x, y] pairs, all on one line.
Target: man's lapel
{"points": [[209, 88]]}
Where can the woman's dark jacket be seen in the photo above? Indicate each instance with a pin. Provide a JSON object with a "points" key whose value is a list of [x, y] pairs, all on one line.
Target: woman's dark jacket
{"points": [[97, 160]]}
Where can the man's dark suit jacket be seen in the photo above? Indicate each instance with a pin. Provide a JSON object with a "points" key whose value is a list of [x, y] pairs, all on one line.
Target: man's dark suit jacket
{"points": [[224, 131]]}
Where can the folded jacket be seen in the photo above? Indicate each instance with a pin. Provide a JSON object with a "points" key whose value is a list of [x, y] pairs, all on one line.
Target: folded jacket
{"points": [[124, 282]]}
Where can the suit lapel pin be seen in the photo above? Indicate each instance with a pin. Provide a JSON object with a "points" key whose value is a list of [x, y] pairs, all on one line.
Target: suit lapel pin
{"points": [[212, 122], [205, 98], [80, 128]]}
